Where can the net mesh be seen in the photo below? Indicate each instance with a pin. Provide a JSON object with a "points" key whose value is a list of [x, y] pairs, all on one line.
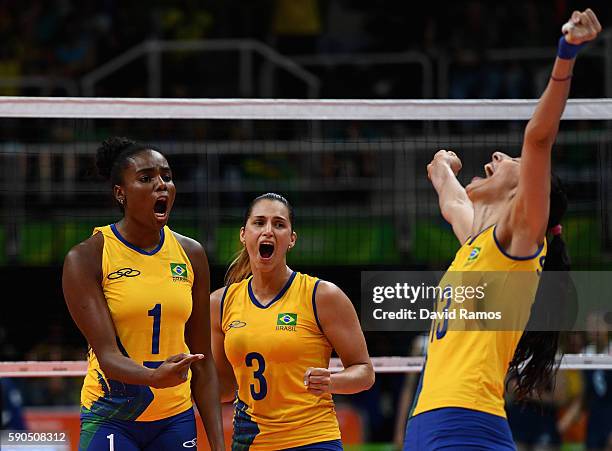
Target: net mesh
{"points": [[359, 188]]}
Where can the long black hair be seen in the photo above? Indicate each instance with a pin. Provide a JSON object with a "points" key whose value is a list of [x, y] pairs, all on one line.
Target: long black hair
{"points": [[533, 366]]}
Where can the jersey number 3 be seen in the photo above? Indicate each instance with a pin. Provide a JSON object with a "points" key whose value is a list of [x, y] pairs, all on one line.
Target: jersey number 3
{"points": [[250, 358]]}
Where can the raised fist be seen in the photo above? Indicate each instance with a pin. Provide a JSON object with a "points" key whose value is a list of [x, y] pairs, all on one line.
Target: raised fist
{"points": [[582, 27], [447, 157]]}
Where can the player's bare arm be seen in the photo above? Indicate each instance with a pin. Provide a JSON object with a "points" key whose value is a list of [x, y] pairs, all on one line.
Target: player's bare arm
{"points": [[455, 206]]}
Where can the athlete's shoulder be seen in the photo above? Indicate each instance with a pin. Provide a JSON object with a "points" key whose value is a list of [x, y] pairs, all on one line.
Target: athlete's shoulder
{"points": [[194, 250], [189, 244], [216, 307], [241, 283], [305, 276], [302, 281], [517, 243], [326, 292], [228, 294], [216, 296], [87, 248], [87, 255]]}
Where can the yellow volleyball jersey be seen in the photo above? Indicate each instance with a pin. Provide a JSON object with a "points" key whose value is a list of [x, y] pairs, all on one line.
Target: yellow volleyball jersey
{"points": [[149, 298], [270, 347], [466, 367]]}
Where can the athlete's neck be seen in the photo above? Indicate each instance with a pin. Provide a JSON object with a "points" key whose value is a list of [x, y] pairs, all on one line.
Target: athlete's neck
{"points": [[142, 237], [485, 215], [491, 208], [267, 285]]}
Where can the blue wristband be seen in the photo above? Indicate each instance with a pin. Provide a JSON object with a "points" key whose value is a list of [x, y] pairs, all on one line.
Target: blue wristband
{"points": [[568, 51]]}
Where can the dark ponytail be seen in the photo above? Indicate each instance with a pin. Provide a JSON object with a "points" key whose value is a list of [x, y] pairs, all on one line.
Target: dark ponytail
{"points": [[240, 268], [533, 366], [112, 158]]}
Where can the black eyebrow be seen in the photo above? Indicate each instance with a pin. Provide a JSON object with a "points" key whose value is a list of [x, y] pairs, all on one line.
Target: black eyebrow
{"points": [[163, 168], [273, 217]]}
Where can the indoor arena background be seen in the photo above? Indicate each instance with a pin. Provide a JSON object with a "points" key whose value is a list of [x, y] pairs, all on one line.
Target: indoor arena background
{"points": [[359, 187]]}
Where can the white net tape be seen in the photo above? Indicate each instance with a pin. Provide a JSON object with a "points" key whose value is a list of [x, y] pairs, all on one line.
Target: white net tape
{"points": [[436, 110], [381, 365]]}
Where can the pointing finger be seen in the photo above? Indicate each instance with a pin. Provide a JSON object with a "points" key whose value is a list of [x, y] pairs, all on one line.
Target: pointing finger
{"points": [[177, 357], [189, 360]]}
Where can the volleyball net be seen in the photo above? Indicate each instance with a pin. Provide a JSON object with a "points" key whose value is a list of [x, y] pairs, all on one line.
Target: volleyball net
{"points": [[354, 170], [381, 365]]}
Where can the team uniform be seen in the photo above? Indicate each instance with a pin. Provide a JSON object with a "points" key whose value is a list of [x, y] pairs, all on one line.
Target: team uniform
{"points": [[270, 347], [149, 298], [459, 400]]}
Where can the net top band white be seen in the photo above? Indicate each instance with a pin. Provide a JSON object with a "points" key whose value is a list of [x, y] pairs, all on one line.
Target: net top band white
{"points": [[292, 109], [381, 365]]}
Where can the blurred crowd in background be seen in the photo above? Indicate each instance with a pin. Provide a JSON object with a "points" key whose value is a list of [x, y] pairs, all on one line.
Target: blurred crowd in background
{"points": [[69, 39]]}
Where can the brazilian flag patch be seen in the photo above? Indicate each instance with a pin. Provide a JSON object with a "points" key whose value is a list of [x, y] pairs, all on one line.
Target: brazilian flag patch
{"points": [[474, 254], [179, 271], [286, 319]]}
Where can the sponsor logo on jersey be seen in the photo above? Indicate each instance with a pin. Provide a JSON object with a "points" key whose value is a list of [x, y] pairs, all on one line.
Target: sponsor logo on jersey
{"points": [[235, 325], [179, 271], [123, 272], [191, 443], [474, 254], [286, 321]]}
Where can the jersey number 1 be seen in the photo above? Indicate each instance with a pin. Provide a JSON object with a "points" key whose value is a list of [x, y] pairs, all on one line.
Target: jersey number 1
{"points": [[155, 312]]}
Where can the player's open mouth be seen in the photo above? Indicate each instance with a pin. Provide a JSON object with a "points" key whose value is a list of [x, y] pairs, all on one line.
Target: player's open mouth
{"points": [[266, 250], [161, 208], [489, 171]]}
